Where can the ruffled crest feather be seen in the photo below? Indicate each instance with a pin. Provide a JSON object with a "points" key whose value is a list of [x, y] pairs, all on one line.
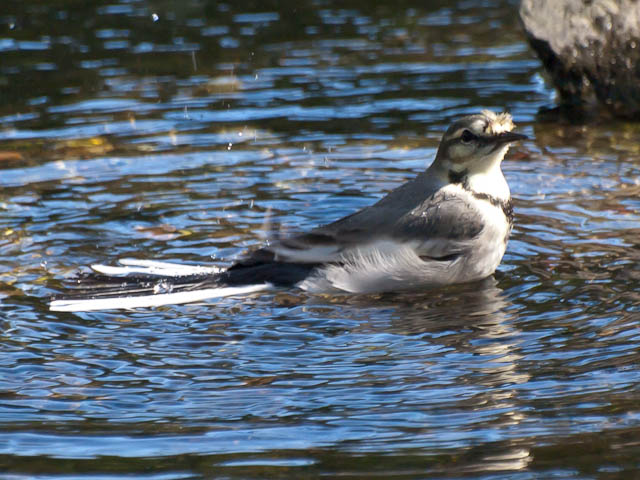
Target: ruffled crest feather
{"points": [[498, 122]]}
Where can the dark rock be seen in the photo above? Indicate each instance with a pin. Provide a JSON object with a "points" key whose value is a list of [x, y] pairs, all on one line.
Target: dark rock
{"points": [[591, 49]]}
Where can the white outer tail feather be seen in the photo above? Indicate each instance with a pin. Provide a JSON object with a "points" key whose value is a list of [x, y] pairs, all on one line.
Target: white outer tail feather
{"points": [[152, 267], [87, 305]]}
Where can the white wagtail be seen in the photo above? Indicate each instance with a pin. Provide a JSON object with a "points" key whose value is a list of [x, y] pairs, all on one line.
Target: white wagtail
{"points": [[450, 224]]}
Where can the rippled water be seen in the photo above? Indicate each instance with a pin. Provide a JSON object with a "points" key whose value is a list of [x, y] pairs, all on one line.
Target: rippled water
{"points": [[174, 131]]}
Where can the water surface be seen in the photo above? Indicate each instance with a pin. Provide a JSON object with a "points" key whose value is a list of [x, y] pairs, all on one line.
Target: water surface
{"points": [[177, 132]]}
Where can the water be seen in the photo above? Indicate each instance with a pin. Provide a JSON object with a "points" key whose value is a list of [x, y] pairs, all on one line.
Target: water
{"points": [[177, 131]]}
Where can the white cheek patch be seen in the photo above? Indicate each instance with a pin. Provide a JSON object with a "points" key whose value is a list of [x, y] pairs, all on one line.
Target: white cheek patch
{"points": [[458, 152], [498, 122]]}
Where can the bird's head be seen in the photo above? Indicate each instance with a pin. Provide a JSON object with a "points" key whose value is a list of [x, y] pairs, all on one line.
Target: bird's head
{"points": [[476, 144]]}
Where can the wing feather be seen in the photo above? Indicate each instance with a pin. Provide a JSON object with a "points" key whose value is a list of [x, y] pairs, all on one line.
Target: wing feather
{"points": [[441, 226]]}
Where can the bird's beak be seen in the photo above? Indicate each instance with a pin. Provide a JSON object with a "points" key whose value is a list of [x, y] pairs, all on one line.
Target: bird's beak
{"points": [[508, 137], [504, 138]]}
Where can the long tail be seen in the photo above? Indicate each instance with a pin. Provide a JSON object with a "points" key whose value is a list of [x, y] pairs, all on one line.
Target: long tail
{"points": [[145, 283]]}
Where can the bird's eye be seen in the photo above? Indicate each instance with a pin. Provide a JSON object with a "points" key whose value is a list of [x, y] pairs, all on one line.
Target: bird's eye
{"points": [[467, 136]]}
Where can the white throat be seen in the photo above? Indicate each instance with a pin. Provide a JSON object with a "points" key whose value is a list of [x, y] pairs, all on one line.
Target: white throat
{"points": [[490, 182], [490, 179]]}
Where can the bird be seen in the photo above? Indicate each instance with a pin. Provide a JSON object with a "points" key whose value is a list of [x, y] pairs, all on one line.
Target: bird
{"points": [[449, 224]]}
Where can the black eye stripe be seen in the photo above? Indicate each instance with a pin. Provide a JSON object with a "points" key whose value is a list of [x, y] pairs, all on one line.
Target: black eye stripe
{"points": [[467, 136]]}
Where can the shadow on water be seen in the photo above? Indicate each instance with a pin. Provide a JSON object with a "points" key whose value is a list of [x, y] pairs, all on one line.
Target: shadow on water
{"points": [[158, 130]]}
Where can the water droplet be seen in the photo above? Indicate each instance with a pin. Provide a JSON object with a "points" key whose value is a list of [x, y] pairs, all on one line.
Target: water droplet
{"points": [[12, 26], [229, 146], [162, 287], [239, 134], [155, 17]]}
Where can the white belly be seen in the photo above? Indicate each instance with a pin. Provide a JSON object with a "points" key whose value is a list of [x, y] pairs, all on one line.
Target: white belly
{"points": [[389, 265]]}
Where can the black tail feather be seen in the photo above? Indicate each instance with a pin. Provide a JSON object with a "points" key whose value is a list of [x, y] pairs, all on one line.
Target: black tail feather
{"points": [[97, 285]]}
